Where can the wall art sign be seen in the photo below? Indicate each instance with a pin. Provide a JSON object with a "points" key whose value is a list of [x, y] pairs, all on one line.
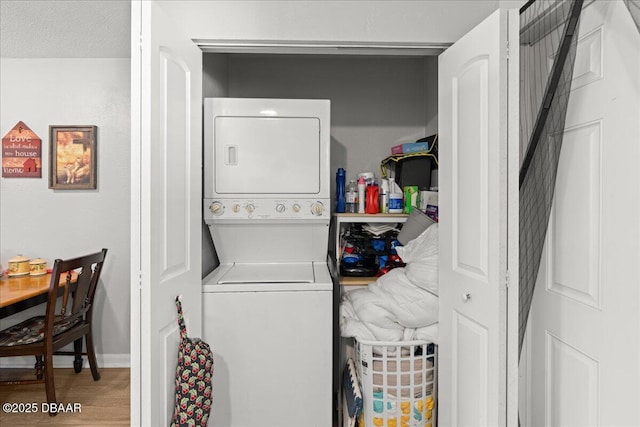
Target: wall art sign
{"points": [[72, 157], [21, 153]]}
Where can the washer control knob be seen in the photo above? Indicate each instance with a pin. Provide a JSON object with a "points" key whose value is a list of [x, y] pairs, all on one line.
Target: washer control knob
{"points": [[296, 207], [250, 208], [236, 208], [280, 207], [317, 208], [216, 208]]}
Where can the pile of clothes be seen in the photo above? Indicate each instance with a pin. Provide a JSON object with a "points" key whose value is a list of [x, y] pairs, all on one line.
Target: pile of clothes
{"points": [[401, 305]]}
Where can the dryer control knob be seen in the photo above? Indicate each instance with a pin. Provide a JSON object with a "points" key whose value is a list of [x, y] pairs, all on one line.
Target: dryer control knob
{"points": [[296, 207], [250, 207], [236, 208], [317, 208], [216, 208], [280, 207]]}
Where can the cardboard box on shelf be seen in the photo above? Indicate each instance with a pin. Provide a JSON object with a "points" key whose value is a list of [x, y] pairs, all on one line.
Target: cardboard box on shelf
{"points": [[423, 145], [412, 147]]}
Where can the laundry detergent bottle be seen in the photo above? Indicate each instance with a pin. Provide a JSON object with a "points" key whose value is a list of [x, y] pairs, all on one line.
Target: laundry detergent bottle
{"points": [[340, 188], [373, 195]]}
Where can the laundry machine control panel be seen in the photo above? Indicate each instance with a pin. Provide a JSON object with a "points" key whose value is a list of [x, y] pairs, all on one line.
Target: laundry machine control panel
{"points": [[266, 209]]}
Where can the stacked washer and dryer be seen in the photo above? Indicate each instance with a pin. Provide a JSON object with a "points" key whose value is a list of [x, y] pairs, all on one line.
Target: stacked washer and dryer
{"points": [[268, 306]]}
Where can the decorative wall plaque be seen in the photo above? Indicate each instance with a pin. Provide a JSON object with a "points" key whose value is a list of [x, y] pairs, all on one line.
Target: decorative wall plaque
{"points": [[21, 153]]}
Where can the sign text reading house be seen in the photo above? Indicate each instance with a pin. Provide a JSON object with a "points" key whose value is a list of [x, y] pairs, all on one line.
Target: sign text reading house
{"points": [[21, 153]]}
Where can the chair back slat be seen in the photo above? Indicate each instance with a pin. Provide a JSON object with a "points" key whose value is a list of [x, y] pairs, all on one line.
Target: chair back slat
{"points": [[65, 295], [83, 284], [88, 269]]}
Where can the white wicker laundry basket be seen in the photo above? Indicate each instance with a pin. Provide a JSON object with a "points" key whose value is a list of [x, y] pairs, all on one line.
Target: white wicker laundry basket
{"points": [[399, 383]]}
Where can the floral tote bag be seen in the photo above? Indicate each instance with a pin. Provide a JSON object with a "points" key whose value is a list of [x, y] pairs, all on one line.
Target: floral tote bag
{"points": [[193, 379]]}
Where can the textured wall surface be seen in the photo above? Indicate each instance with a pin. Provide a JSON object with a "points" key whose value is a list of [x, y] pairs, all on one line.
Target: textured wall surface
{"points": [[65, 29], [39, 222]]}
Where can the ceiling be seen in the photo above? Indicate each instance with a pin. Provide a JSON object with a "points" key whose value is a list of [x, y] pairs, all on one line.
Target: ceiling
{"points": [[73, 28], [65, 29]]}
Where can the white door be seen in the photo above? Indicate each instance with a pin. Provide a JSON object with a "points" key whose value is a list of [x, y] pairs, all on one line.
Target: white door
{"points": [[166, 204], [582, 349], [478, 131]]}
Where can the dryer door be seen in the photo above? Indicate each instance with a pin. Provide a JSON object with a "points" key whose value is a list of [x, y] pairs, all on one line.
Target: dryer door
{"points": [[267, 155]]}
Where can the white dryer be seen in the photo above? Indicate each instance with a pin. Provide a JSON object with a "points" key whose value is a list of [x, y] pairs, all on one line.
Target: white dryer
{"points": [[268, 306]]}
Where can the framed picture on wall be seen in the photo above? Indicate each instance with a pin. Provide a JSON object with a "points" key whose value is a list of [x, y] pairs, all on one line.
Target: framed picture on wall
{"points": [[72, 157]]}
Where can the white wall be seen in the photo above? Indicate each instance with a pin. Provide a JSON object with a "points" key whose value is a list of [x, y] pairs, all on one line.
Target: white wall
{"points": [[376, 102], [371, 21], [39, 222]]}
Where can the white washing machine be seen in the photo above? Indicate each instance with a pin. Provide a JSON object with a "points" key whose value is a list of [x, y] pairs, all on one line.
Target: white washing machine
{"points": [[268, 306]]}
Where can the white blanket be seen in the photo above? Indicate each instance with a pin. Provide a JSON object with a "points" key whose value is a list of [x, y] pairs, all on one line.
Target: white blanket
{"points": [[402, 305]]}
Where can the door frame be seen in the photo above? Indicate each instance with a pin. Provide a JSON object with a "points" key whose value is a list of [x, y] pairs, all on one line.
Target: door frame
{"points": [[136, 215], [289, 47], [219, 46], [513, 221]]}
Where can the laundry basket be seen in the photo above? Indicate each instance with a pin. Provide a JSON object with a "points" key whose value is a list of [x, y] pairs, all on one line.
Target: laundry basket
{"points": [[399, 383]]}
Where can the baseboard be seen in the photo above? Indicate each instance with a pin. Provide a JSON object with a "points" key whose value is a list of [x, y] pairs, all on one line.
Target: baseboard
{"points": [[110, 360]]}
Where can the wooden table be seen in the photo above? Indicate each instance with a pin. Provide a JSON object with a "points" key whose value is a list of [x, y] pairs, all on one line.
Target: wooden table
{"points": [[22, 292]]}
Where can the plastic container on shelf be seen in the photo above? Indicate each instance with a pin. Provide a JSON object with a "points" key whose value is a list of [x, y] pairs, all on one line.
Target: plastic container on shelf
{"points": [[393, 187], [351, 197], [384, 196], [361, 188], [399, 383], [372, 202], [395, 203], [340, 191], [411, 198]]}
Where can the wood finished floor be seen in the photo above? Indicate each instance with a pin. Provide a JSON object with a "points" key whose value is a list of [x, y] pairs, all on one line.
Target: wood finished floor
{"points": [[103, 403]]}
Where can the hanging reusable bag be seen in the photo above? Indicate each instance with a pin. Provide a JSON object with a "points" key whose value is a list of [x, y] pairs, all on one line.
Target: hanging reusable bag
{"points": [[193, 379]]}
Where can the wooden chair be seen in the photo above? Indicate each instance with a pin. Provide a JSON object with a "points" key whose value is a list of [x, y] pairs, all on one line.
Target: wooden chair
{"points": [[62, 324]]}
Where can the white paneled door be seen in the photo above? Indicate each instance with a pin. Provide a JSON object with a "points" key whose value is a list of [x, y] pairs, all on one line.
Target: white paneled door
{"points": [[582, 354], [166, 200], [478, 131]]}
